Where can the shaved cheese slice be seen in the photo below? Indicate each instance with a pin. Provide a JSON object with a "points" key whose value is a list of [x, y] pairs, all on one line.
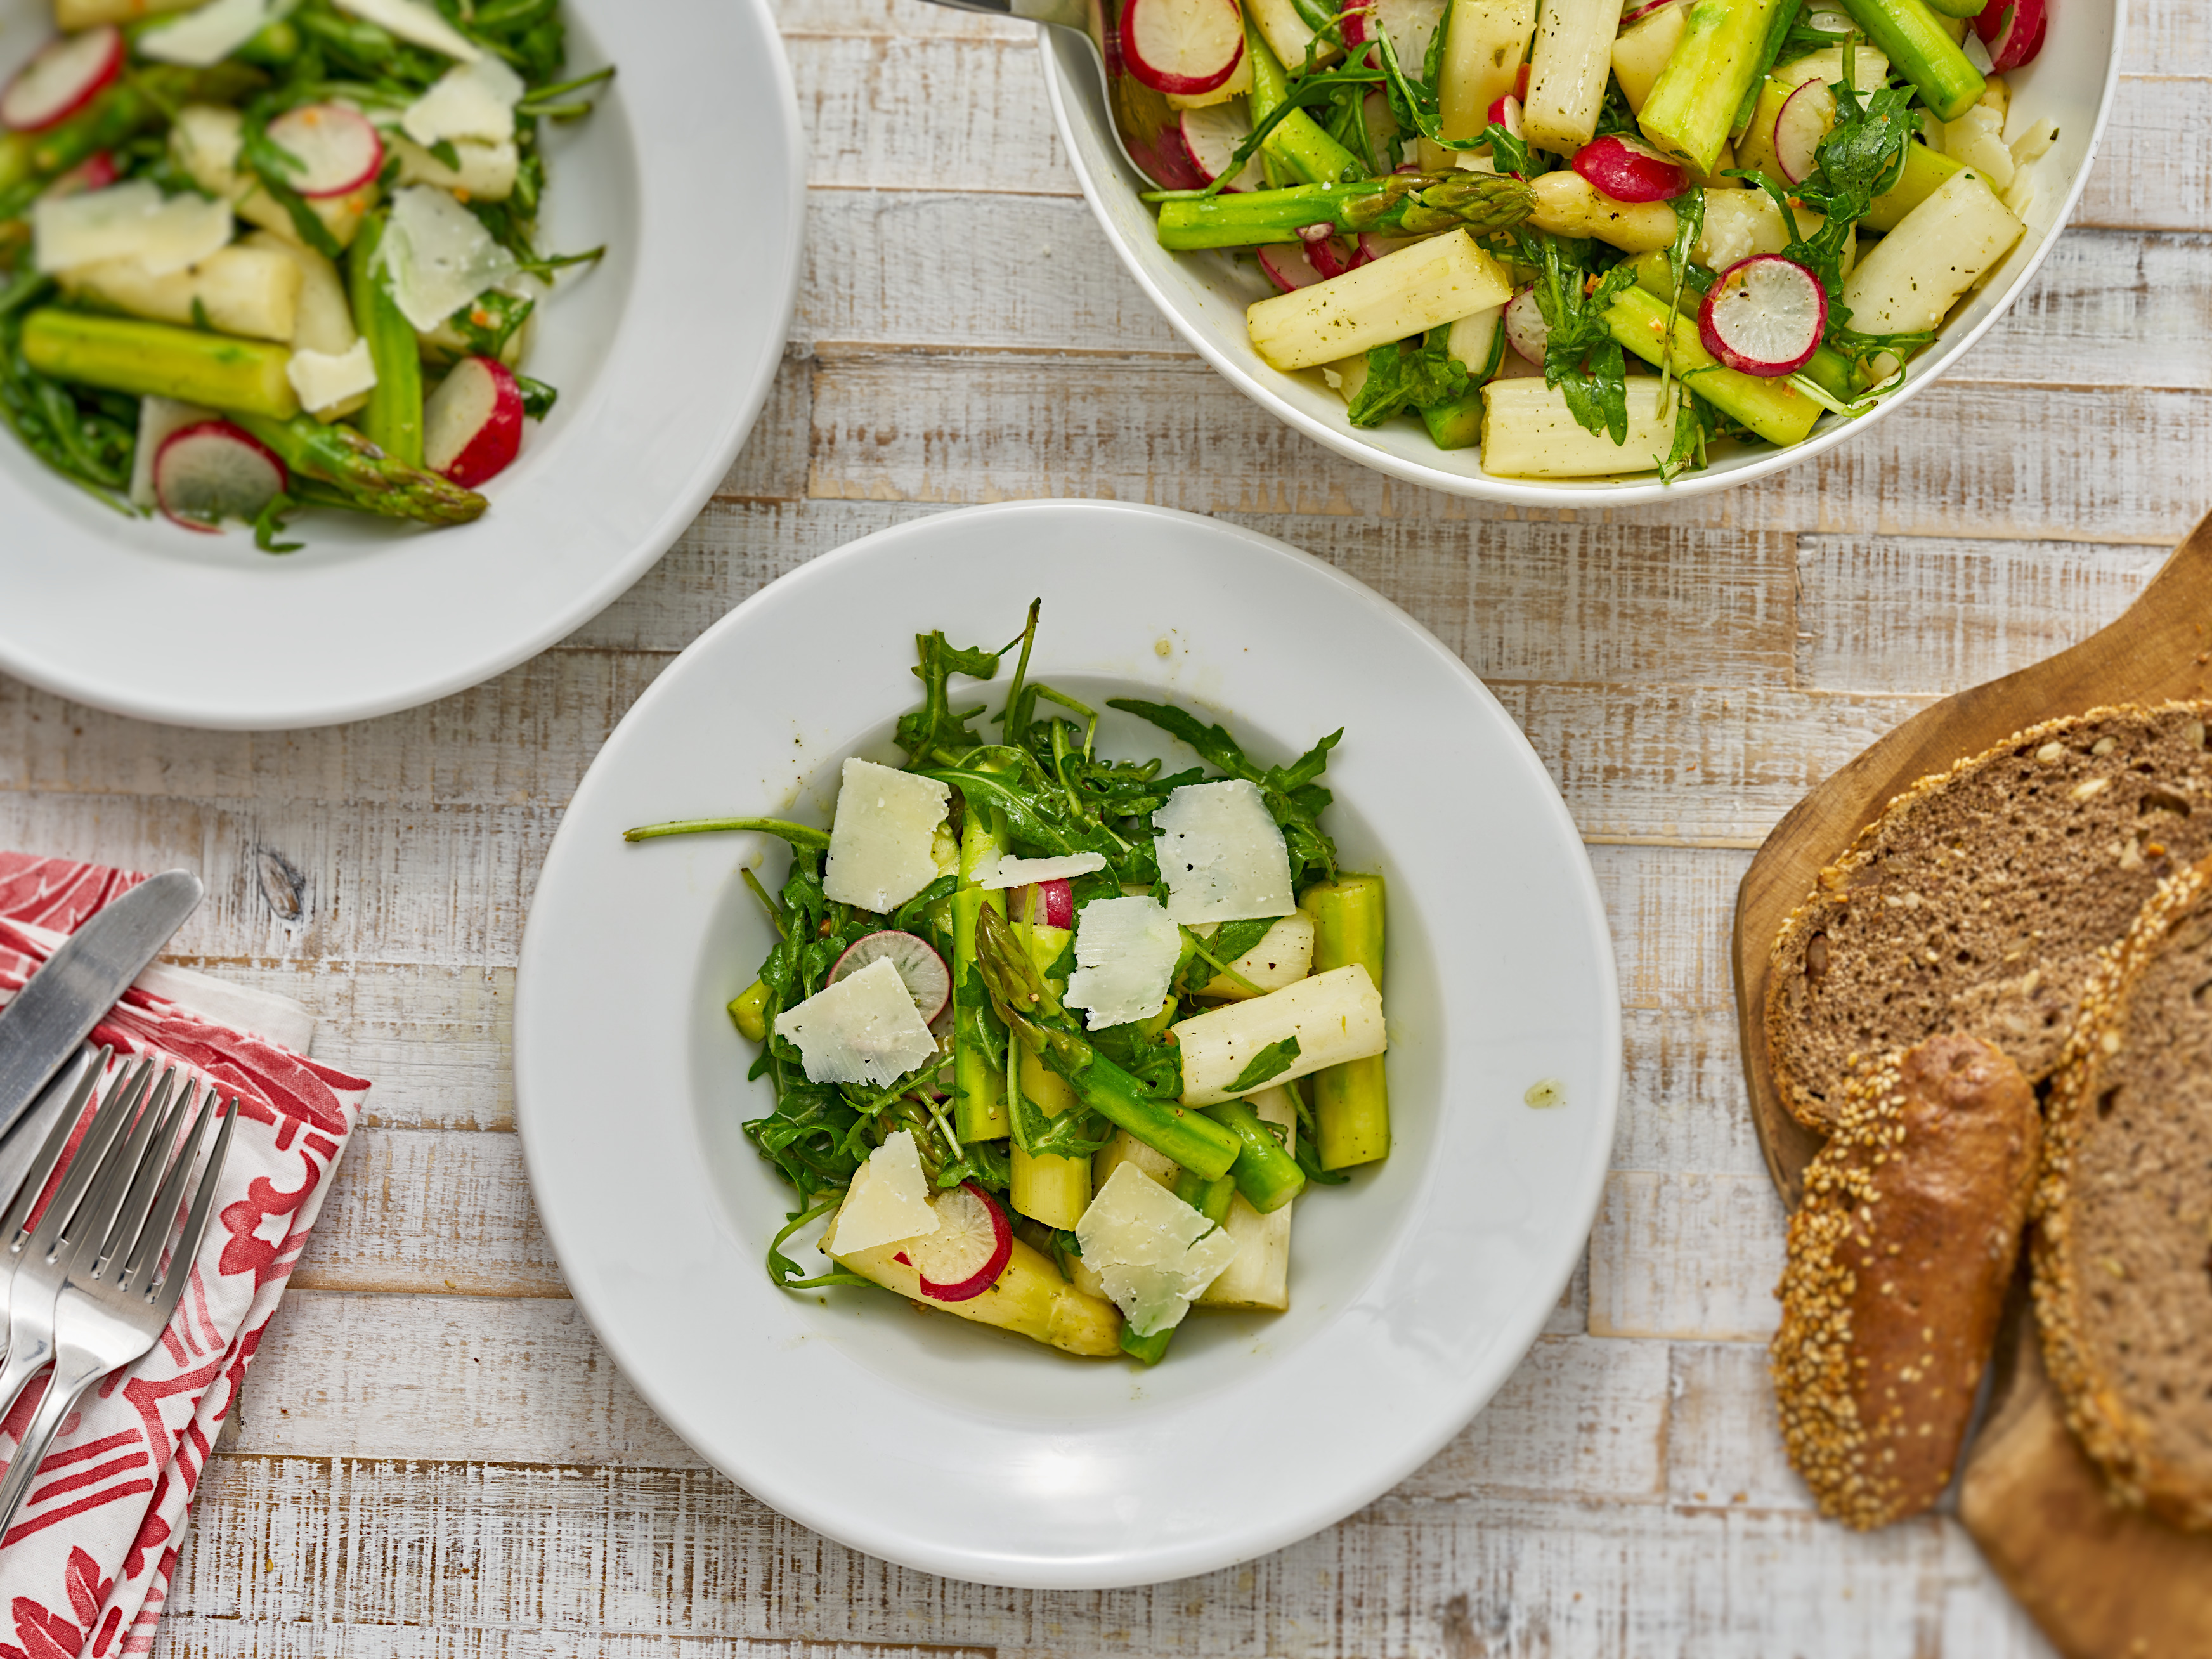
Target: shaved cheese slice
{"points": [[879, 842], [888, 1200], [130, 221], [414, 21], [1153, 1252], [1222, 854], [207, 36], [864, 1029], [439, 255], [1004, 871], [471, 100], [1125, 951], [325, 379]]}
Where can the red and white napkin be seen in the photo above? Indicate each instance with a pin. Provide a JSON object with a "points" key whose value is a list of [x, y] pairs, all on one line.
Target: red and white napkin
{"points": [[86, 1565]]}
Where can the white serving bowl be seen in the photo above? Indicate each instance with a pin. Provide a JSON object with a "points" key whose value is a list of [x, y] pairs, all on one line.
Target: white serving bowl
{"points": [[1204, 294]]}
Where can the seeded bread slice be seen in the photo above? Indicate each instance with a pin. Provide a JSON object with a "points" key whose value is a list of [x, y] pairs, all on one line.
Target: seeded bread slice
{"points": [[2123, 1248], [1980, 898]]}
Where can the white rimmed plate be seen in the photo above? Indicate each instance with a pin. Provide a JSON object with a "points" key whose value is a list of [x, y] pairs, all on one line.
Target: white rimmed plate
{"points": [[692, 170], [1416, 1289], [1203, 296]]}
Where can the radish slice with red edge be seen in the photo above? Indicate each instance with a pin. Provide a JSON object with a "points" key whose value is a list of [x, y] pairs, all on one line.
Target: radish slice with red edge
{"points": [[1526, 330], [1638, 14], [1185, 48], [919, 969], [211, 471], [1287, 266], [1630, 171], [1506, 112], [337, 148], [1764, 316], [61, 78], [95, 172], [1211, 135], [1048, 903], [2012, 30], [472, 423], [1332, 256], [969, 1250], [1803, 121], [1373, 247]]}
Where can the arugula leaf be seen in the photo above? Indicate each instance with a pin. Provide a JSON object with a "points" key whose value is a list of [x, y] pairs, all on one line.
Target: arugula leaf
{"points": [[1271, 1061], [1408, 374], [936, 731], [1862, 155], [1293, 794], [537, 398], [1581, 357]]}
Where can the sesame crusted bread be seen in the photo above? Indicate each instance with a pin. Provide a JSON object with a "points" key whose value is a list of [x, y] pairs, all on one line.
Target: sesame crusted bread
{"points": [[1980, 898], [2124, 1213], [1899, 1261]]}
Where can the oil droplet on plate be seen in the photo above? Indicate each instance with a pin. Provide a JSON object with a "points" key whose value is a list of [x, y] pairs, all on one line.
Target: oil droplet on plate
{"points": [[1546, 1093]]}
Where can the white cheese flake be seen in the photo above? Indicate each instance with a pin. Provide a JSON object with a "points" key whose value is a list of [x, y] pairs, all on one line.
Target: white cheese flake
{"points": [[129, 221], [864, 1029], [1003, 872], [325, 379], [1222, 855], [205, 37], [880, 842], [439, 255], [412, 20], [471, 100], [1126, 950], [888, 1200], [1153, 1252]]}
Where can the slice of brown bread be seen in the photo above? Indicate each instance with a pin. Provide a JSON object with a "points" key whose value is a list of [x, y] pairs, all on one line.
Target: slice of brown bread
{"points": [[2123, 1248], [1979, 899]]}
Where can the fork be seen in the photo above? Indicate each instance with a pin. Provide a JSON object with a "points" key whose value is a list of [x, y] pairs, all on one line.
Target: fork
{"points": [[114, 1294]]}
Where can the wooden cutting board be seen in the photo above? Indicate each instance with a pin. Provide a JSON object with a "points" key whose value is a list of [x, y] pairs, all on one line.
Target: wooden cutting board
{"points": [[2103, 1584]]}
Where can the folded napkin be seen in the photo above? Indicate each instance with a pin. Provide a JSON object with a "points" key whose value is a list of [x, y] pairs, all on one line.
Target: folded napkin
{"points": [[86, 1565]]}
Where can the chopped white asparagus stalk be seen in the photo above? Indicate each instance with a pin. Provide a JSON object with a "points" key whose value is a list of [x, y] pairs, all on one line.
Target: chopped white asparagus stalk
{"points": [[1432, 282], [1641, 50], [241, 290], [1567, 72], [1260, 1276], [1528, 432], [1915, 274], [1283, 956], [1335, 1017], [1484, 48], [323, 320], [1287, 33]]}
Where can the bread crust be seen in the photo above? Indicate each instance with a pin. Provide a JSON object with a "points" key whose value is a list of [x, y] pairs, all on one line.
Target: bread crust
{"points": [[1900, 1257], [2116, 1436]]}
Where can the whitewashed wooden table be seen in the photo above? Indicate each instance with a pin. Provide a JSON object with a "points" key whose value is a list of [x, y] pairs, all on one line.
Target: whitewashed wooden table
{"points": [[435, 1456]]}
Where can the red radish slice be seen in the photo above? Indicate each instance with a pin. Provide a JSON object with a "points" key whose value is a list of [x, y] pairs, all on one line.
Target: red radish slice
{"points": [[1182, 46], [338, 147], [1637, 14], [1048, 903], [920, 970], [1521, 84], [95, 172], [61, 77], [1805, 120], [1764, 316], [2012, 31], [1359, 24], [211, 471], [1373, 247], [1332, 256], [1526, 330], [1211, 135], [1630, 171], [472, 423], [1506, 112], [969, 1250], [1287, 266]]}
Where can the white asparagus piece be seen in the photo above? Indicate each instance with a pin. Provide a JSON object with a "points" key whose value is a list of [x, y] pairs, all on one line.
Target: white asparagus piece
{"points": [[1567, 72], [1283, 956], [1433, 282], [1527, 432], [1483, 53], [325, 321], [1287, 35], [1641, 50], [1335, 1017], [239, 291], [1915, 274], [1260, 1276]]}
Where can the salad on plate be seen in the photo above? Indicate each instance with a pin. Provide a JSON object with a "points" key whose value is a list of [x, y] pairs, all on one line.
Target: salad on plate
{"points": [[261, 255], [1056, 1039], [1594, 239]]}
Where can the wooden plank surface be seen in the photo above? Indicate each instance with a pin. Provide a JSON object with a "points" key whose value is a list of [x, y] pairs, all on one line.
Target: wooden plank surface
{"points": [[435, 1457]]}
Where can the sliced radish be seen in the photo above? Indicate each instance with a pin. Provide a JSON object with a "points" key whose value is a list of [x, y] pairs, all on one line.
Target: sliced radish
{"points": [[2012, 31], [1182, 46], [1637, 14], [472, 423], [1333, 255], [1373, 247], [1048, 903], [1211, 135], [1287, 266], [95, 172], [920, 970], [1764, 316], [969, 1250], [1359, 23], [1630, 171], [337, 148], [1526, 330], [210, 471], [1506, 112], [1806, 116], [61, 78]]}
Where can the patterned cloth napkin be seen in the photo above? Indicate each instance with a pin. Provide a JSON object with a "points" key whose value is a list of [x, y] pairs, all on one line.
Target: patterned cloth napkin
{"points": [[86, 1565]]}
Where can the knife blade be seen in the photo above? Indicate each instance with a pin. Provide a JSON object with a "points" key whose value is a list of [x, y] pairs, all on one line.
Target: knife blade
{"points": [[42, 1028]]}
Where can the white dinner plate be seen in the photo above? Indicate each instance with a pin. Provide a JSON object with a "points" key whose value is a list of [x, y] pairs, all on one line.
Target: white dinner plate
{"points": [[691, 172], [1203, 296], [967, 1452]]}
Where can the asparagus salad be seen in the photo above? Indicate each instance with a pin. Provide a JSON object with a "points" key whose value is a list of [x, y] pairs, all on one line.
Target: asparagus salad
{"points": [[1595, 239], [1055, 1039], [359, 346]]}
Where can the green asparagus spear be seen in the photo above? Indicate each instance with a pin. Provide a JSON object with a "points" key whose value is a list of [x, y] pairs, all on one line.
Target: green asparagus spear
{"points": [[394, 418], [370, 480], [1920, 48], [125, 353], [1296, 143], [1268, 1177], [1694, 103], [1150, 1349], [1404, 205], [1018, 992], [1209, 1198], [1352, 1104], [979, 1110]]}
